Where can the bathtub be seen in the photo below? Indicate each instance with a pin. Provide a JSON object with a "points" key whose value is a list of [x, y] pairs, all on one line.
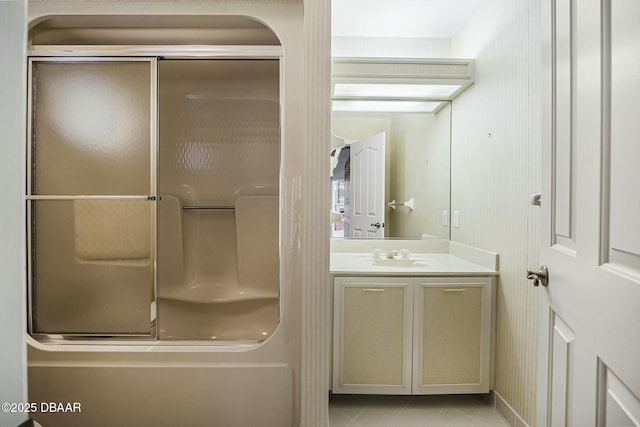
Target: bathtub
{"points": [[227, 351], [122, 384], [228, 361], [228, 327]]}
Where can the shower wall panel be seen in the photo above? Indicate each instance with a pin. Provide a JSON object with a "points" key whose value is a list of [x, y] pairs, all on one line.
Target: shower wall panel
{"points": [[219, 140], [219, 129]]}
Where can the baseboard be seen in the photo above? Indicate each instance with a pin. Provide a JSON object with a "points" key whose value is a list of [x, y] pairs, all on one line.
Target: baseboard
{"points": [[504, 409]]}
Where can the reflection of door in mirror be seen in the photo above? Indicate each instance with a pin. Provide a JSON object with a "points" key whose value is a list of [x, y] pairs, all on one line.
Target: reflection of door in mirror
{"points": [[358, 186], [338, 184], [364, 210]]}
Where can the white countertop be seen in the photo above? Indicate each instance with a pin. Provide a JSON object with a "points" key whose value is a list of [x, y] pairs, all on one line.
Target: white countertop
{"points": [[418, 264]]}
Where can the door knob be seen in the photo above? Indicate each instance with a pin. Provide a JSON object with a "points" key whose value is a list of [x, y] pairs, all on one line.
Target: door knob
{"points": [[539, 277], [376, 225]]}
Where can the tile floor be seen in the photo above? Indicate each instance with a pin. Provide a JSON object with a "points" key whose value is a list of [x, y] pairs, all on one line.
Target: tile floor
{"points": [[412, 411]]}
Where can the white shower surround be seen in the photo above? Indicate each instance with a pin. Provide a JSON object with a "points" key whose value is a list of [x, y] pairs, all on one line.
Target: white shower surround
{"points": [[304, 245]]}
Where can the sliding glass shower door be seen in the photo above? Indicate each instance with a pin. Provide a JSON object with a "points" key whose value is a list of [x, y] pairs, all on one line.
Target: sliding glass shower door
{"points": [[91, 197], [153, 198], [218, 219]]}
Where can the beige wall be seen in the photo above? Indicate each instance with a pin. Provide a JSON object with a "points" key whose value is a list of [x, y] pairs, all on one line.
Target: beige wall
{"points": [[417, 166], [358, 126], [496, 161]]}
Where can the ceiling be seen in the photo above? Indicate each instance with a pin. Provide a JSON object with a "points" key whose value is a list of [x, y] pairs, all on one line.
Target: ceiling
{"points": [[400, 18]]}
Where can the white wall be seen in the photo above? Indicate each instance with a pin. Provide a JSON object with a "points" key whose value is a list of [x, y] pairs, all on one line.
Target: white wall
{"points": [[12, 244], [390, 47], [496, 162]]}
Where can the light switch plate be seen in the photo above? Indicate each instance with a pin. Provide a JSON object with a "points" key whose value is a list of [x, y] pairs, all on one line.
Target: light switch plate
{"points": [[456, 219]]}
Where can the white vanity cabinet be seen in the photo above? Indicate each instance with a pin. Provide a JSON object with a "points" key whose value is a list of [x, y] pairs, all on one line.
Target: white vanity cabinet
{"points": [[372, 335], [412, 335], [452, 335]]}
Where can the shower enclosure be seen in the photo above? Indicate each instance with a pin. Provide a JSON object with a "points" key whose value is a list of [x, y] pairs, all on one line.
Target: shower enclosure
{"points": [[153, 198]]}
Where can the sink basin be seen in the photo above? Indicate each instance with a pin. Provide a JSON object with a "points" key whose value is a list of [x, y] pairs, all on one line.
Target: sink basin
{"points": [[404, 263]]}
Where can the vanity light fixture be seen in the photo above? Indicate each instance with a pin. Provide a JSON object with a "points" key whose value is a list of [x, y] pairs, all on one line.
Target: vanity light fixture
{"points": [[386, 106], [390, 90], [398, 84]]}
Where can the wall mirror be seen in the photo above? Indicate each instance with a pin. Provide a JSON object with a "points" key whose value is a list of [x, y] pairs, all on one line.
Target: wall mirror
{"points": [[391, 174], [391, 151]]}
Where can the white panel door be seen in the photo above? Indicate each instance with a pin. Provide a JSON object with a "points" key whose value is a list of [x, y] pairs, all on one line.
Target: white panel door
{"points": [[366, 211], [589, 346]]}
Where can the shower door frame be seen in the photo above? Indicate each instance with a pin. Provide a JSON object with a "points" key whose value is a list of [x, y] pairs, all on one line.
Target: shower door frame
{"points": [[151, 196], [128, 53]]}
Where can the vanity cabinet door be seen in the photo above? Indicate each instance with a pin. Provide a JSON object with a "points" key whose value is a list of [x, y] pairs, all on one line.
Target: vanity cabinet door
{"points": [[372, 335], [452, 336]]}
